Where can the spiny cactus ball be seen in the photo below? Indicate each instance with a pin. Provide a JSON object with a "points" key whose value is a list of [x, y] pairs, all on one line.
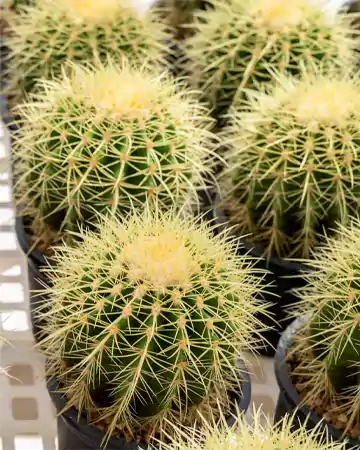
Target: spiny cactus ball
{"points": [[155, 310], [331, 303], [238, 45], [294, 162], [108, 139], [260, 435], [52, 31]]}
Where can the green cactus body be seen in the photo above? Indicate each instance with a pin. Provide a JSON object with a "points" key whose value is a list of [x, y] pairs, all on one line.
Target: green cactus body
{"points": [[331, 301], [293, 167], [109, 139], [45, 35], [252, 39], [158, 308]]}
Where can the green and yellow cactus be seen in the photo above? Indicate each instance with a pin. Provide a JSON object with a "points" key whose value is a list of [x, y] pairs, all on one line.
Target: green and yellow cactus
{"points": [[261, 435], [154, 311], [239, 44], [293, 167], [108, 139], [52, 31], [330, 343]]}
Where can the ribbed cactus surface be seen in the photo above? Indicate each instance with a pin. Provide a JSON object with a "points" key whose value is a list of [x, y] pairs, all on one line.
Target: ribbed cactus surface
{"points": [[156, 311], [241, 43], [294, 164], [50, 32], [109, 139]]}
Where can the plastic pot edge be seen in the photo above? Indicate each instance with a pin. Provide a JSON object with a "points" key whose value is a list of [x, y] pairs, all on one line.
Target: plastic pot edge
{"points": [[33, 255]]}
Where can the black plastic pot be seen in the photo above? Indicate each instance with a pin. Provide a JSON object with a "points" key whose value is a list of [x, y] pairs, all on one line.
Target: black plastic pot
{"points": [[3, 53], [283, 275], [36, 279], [76, 434], [352, 6], [289, 401]]}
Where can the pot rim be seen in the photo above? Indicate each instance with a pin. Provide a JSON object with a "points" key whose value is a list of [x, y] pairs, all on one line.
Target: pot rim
{"points": [[283, 378]]}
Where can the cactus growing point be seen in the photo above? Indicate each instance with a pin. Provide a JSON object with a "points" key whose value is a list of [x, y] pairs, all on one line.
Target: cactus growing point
{"points": [[240, 44], [294, 162], [109, 139], [156, 311], [43, 36]]}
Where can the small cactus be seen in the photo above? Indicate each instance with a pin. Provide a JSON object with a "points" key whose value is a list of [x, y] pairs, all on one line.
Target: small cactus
{"points": [[331, 303], [261, 434], [155, 311], [294, 162], [46, 34], [239, 45], [108, 139]]}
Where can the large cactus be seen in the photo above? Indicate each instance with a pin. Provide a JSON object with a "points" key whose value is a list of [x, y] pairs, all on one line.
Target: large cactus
{"points": [[108, 139], [46, 34], [294, 165], [261, 434], [155, 311], [331, 302], [238, 45]]}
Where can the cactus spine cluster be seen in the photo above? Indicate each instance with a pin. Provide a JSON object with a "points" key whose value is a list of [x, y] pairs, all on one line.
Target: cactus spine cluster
{"points": [[156, 310], [331, 301], [294, 162], [108, 139], [50, 32], [260, 435], [239, 45]]}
